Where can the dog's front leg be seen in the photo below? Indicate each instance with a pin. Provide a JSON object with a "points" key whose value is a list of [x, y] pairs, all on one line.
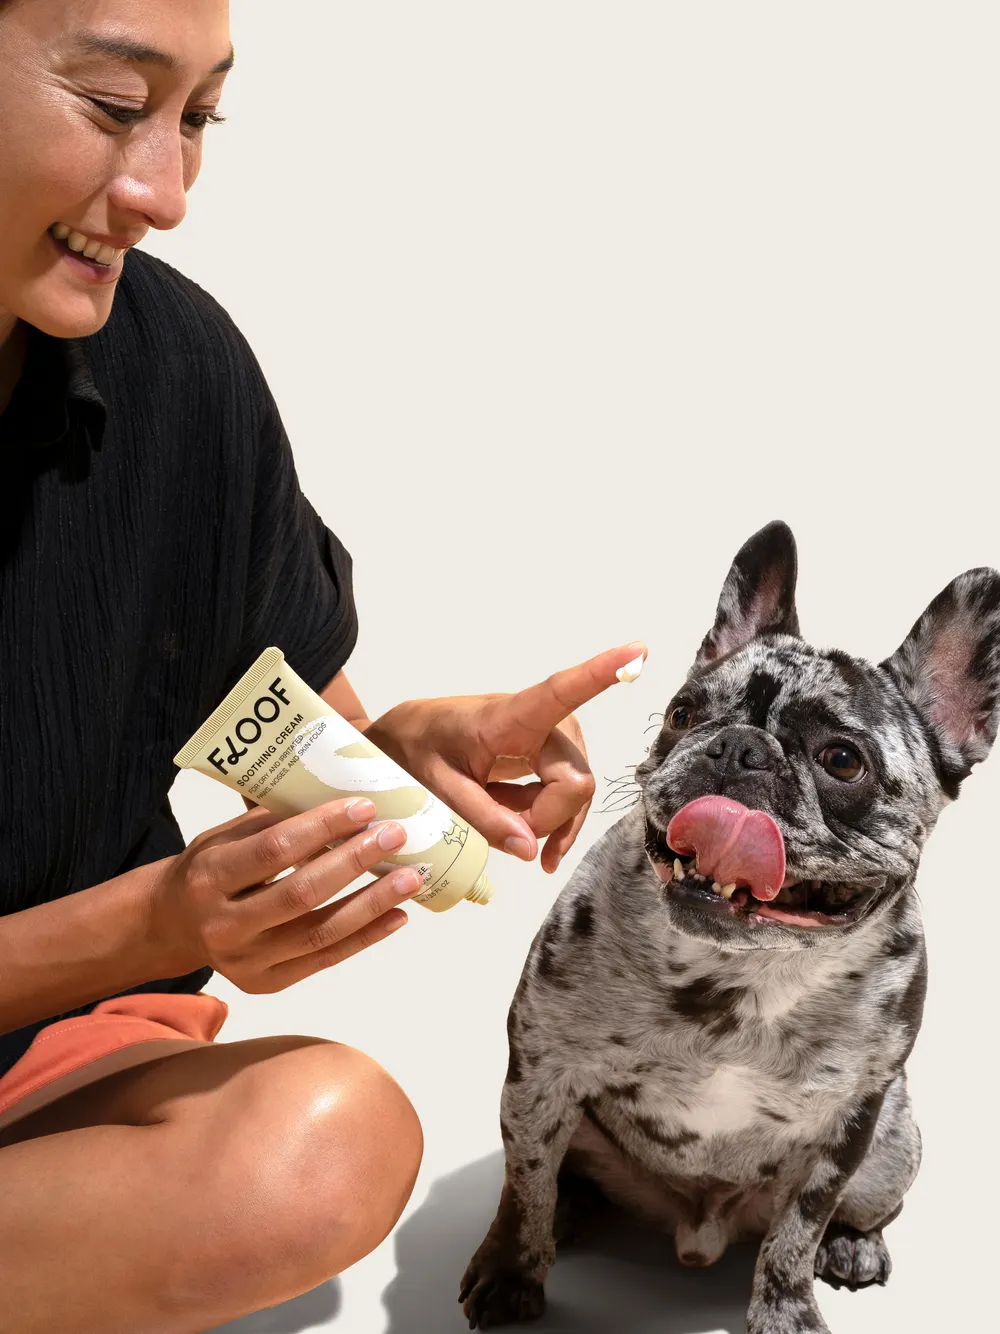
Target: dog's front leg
{"points": [[783, 1301], [503, 1283]]}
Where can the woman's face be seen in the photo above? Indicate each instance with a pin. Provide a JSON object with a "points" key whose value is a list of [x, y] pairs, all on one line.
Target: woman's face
{"points": [[104, 105]]}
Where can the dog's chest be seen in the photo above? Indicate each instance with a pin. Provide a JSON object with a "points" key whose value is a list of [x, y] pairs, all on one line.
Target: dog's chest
{"points": [[747, 1095]]}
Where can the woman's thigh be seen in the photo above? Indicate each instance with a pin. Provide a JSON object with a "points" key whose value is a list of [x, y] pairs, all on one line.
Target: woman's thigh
{"points": [[179, 1194]]}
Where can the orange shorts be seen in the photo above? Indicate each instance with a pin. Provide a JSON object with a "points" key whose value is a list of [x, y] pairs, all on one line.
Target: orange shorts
{"points": [[117, 1034]]}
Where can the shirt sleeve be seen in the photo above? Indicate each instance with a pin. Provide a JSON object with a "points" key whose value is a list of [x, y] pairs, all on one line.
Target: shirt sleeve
{"points": [[298, 593]]}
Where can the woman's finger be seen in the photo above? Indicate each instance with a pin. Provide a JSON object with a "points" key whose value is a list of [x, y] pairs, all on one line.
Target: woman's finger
{"points": [[517, 723], [567, 785], [498, 823], [561, 840], [325, 929], [275, 845], [272, 905], [286, 974]]}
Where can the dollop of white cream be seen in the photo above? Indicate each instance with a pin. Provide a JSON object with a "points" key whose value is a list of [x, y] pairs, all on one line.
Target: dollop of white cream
{"points": [[631, 671]]}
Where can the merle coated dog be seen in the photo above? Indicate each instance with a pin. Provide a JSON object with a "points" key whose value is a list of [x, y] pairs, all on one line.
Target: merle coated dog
{"points": [[712, 1025]]}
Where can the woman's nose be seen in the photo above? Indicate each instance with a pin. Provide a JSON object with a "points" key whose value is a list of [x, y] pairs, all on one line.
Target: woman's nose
{"points": [[154, 182]]}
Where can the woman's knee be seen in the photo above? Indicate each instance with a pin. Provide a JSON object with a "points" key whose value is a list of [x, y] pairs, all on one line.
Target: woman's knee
{"points": [[316, 1150]]}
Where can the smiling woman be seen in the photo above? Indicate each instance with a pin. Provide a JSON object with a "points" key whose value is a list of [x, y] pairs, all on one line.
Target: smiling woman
{"points": [[154, 542]]}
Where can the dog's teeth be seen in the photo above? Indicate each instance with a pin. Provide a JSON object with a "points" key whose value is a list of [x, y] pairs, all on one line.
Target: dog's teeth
{"points": [[678, 869], [716, 886], [727, 891]]}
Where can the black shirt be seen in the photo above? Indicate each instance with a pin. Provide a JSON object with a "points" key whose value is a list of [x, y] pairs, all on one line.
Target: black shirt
{"points": [[153, 542]]}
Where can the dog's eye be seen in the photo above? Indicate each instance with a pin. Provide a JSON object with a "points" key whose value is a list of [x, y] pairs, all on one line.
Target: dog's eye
{"points": [[842, 763], [680, 718]]}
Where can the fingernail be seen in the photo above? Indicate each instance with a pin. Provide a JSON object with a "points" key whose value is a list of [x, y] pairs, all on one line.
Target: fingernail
{"points": [[361, 811], [518, 847], [394, 923], [391, 836], [406, 884]]}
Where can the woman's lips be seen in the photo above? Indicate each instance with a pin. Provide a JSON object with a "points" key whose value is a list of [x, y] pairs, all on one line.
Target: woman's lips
{"points": [[99, 275]]}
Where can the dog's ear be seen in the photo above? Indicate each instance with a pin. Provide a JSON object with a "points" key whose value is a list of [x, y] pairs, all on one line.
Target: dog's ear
{"points": [[758, 597], [949, 667]]}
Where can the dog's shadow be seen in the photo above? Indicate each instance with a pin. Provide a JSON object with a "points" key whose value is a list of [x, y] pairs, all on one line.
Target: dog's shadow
{"points": [[626, 1279]]}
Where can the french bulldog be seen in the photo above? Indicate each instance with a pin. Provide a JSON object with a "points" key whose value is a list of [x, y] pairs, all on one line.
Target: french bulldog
{"points": [[712, 1026]]}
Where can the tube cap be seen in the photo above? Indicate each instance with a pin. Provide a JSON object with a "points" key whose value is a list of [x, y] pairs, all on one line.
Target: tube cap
{"points": [[481, 891]]}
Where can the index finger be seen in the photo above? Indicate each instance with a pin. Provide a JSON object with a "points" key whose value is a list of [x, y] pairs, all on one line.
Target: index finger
{"points": [[540, 708]]}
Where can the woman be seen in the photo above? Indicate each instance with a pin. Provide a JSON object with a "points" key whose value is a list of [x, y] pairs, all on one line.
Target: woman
{"points": [[154, 542]]}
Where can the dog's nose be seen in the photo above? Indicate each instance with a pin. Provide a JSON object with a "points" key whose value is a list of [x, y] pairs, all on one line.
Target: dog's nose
{"points": [[737, 748]]}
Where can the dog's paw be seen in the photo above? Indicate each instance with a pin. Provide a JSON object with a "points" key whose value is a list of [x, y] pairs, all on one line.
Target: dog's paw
{"points": [[492, 1295], [850, 1259]]}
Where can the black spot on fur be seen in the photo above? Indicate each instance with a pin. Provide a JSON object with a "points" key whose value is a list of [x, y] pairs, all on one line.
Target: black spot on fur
{"points": [[619, 1040], [630, 1092], [760, 692], [901, 945], [533, 1164], [705, 1002], [583, 918], [548, 969], [853, 673], [514, 1071], [767, 1170], [551, 1133], [654, 1131], [774, 1116], [910, 1006]]}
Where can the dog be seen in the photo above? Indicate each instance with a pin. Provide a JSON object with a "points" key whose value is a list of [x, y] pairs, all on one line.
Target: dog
{"points": [[713, 1022]]}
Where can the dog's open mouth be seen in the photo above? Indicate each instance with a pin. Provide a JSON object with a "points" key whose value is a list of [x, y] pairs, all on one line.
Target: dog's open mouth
{"points": [[716, 854]]}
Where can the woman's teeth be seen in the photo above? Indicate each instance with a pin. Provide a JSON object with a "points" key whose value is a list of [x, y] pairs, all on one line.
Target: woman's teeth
{"points": [[81, 245]]}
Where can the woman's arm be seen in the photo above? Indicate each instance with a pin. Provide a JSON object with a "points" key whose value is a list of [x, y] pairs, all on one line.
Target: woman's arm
{"points": [[80, 948]]}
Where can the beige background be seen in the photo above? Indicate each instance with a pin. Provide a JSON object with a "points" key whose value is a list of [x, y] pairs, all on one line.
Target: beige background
{"points": [[560, 301]]}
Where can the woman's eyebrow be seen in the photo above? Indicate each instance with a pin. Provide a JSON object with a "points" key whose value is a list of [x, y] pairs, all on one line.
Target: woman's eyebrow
{"points": [[139, 53]]}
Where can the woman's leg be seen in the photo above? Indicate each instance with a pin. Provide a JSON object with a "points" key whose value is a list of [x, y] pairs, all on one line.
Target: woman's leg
{"points": [[172, 1197]]}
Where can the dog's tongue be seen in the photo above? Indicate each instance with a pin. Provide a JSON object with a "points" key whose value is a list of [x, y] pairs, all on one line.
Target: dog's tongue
{"points": [[731, 843]]}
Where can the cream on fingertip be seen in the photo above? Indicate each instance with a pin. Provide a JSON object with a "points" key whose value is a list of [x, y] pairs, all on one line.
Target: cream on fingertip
{"points": [[632, 670]]}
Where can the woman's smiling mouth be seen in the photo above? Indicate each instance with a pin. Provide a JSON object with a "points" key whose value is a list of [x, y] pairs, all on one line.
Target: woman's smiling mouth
{"points": [[84, 247]]}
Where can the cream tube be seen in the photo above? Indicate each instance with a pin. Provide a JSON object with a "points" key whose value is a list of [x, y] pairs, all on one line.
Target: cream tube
{"points": [[275, 741]]}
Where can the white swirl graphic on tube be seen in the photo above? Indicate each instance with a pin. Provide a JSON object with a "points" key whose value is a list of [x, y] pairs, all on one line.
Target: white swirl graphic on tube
{"points": [[318, 749]]}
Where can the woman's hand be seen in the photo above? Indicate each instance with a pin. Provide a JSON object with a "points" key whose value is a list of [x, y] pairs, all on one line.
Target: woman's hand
{"points": [[466, 749], [219, 904]]}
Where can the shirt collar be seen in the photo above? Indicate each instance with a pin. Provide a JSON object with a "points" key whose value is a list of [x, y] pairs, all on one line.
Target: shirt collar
{"points": [[56, 392]]}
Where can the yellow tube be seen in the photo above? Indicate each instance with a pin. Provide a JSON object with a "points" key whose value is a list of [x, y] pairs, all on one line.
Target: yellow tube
{"points": [[275, 741]]}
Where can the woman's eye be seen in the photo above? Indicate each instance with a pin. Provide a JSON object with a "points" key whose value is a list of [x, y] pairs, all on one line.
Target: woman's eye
{"points": [[119, 114], [680, 718], [197, 120], [122, 115], [843, 763]]}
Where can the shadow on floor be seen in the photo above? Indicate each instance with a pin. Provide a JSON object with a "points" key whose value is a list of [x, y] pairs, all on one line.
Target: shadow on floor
{"points": [[313, 1310], [626, 1280]]}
